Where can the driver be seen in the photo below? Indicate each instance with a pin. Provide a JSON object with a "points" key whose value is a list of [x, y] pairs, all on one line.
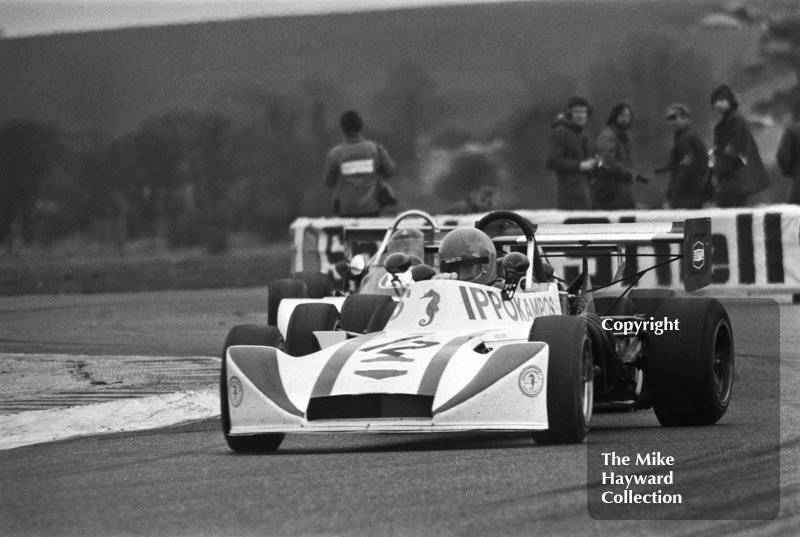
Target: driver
{"points": [[408, 241], [470, 254]]}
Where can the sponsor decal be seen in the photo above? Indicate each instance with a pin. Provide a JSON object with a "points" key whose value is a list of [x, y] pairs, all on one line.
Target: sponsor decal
{"points": [[531, 381], [392, 353], [698, 255], [235, 391], [484, 304], [432, 308]]}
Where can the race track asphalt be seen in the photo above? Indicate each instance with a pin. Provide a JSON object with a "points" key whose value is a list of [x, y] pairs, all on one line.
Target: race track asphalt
{"points": [[739, 477]]}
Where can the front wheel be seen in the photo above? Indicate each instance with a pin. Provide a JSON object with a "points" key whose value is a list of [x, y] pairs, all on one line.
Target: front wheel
{"points": [[305, 320], [570, 378], [247, 334], [690, 369], [280, 289]]}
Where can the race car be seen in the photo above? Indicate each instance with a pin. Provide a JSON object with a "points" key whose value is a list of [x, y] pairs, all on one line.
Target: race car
{"points": [[491, 341], [413, 232]]}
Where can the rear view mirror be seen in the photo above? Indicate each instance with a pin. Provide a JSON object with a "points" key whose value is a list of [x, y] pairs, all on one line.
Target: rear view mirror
{"points": [[397, 263]]}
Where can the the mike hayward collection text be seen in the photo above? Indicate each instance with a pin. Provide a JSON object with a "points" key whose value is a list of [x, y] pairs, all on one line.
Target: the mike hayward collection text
{"points": [[619, 477]]}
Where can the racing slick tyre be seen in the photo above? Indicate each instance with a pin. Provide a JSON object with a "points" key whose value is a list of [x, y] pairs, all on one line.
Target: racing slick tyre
{"points": [[381, 316], [357, 310], [570, 378], [305, 320], [318, 285], [604, 355], [247, 334], [613, 305], [647, 301], [280, 289], [690, 371]]}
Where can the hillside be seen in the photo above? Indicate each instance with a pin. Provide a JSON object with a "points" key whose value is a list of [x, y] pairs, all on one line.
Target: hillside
{"points": [[487, 60]]}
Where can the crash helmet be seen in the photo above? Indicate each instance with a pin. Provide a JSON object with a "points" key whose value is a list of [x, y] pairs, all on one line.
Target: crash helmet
{"points": [[470, 253], [408, 241]]}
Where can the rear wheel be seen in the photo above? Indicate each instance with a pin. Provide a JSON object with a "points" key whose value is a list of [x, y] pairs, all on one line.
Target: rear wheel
{"points": [[570, 378], [280, 289], [357, 311], [613, 305], [247, 334], [690, 370], [318, 285], [381, 316], [647, 301], [305, 320]]}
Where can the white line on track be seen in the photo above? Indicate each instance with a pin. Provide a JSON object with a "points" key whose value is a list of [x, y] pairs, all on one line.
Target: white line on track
{"points": [[52, 397], [137, 414]]}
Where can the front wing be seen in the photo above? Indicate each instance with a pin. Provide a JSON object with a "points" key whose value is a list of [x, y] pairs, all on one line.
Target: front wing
{"points": [[505, 390]]}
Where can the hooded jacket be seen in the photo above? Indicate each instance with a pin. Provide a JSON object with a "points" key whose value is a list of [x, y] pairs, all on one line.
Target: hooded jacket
{"points": [[613, 179], [737, 162]]}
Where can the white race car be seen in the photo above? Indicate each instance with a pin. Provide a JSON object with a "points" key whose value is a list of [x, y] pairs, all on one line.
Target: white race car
{"points": [[519, 352]]}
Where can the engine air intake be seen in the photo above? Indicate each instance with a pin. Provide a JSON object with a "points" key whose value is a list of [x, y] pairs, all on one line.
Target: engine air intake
{"points": [[368, 406]]}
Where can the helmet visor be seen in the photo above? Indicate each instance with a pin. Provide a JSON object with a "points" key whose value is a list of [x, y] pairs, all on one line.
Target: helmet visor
{"points": [[467, 268]]}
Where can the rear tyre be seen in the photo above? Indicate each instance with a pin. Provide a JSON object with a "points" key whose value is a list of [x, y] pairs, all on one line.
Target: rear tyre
{"points": [[247, 334], [647, 301], [612, 305], [318, 285], [381, 316], [357, 310], [690, 371], [570, 378], [305, 320], [280, 289]]}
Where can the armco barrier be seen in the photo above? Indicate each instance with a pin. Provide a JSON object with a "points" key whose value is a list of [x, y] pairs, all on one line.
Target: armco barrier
{"points": [[754, 249]]}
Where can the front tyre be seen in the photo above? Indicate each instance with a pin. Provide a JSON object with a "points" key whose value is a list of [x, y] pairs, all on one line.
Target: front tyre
{"points": [[280, 289], [305, 320], [570, 378], [247, 334], [690, 370]]}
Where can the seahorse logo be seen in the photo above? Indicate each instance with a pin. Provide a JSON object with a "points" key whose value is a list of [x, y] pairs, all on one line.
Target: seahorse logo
{"points": [[432, 308]]}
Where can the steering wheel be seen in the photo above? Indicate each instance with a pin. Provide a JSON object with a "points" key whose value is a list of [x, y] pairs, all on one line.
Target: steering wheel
{"points": [[526, 227], [412, 213]]}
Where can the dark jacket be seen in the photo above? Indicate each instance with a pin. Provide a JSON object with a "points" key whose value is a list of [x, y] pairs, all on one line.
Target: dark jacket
{"points": [[612, 185], [688, 167], [788, 157], [353, 169], [568, 147], [737, 163]]}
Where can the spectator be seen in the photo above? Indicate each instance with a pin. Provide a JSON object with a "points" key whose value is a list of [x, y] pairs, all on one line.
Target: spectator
{"points": [[738, 171], [569, 156], [614, 176], [788, 155], [355, 169], [688, 162]]}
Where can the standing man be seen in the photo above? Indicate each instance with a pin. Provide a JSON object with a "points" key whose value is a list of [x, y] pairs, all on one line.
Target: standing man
{"points": [[569, 156], [614, 176], [354, 170], [737, 166], [688, 162], [788, 155]]}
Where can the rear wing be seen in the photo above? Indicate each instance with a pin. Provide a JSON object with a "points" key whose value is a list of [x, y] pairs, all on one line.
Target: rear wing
{"points": [[694, 236]]}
